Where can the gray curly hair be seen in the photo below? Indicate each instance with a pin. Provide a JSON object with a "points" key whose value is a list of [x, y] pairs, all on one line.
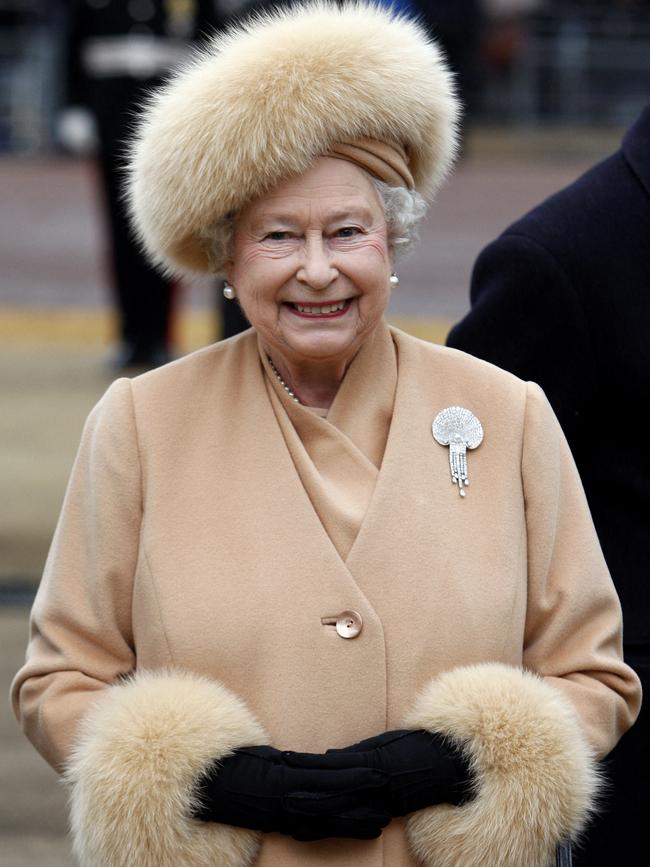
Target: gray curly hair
{"points": [[403, 210]]}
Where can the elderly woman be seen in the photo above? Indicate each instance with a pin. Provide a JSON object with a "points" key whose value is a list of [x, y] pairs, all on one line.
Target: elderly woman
{"points": [[268, 621]]}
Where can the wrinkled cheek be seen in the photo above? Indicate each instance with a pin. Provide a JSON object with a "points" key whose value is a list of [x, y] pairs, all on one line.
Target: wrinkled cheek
{"points": [[371, 309], [379, 246], [254, 310]]}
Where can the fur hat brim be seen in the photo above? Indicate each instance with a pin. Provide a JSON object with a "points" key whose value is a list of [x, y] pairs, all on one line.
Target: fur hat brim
{"points": [[263, 100]]}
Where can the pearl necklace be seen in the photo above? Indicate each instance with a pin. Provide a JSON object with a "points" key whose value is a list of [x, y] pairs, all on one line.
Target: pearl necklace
{"points": [[283, 383]]}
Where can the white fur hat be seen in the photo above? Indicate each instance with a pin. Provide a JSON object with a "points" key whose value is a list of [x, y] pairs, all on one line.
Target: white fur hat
{"points": [[263, 100]]}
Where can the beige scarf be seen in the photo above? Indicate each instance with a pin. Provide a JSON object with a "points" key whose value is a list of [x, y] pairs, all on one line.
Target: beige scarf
{"points": [[338, 455]]}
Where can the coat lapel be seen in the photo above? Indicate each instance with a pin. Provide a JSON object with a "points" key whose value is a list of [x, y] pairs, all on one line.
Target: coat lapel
{"points": [[297, 524], [422, 547], [337, 458], [255, 536]]}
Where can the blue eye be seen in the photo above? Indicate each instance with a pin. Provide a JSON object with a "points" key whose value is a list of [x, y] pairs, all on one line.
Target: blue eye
{"points": [[348, 232], [277, 236]]}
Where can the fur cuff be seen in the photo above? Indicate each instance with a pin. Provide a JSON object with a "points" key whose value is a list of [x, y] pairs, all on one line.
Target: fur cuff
{"points": [[535, 779], [140, 751]]}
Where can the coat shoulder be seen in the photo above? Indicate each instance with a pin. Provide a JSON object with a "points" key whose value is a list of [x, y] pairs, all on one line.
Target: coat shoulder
{"points": [[473, 374], [589, 215], [209, 368]]}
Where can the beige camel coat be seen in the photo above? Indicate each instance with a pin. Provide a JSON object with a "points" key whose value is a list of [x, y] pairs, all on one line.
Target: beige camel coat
{"points": [[187, 545]]}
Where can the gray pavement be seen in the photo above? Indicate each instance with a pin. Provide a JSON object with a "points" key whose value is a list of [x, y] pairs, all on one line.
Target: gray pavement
{"points": [[32, 799], [50, 250]]}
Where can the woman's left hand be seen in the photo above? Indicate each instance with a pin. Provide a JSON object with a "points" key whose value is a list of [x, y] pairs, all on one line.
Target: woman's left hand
{"points": [[420, 768]]}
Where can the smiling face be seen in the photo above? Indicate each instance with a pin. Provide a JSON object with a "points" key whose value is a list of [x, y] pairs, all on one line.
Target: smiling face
{"points": [[311, 265]]}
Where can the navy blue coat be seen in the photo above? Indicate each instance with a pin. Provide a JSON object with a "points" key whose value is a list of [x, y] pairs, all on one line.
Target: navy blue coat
{"points": [[562, 297]]}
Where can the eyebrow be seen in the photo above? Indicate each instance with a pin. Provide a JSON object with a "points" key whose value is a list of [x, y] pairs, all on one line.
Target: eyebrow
{"points": [[279, 218], [284, 218], [353, 211]]}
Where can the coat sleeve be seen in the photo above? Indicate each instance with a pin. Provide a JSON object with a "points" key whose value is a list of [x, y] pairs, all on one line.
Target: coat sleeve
{"points": [[131, 743], [527, 318], [533, 735], [574, 627], [80, 628]]}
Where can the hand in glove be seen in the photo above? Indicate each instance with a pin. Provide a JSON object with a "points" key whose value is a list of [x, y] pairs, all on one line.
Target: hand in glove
{"points": [[257, 788], [420, 768]]}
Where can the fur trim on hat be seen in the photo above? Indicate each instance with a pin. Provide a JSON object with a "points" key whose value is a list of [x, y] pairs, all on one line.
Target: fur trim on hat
{"points": [[263, 100], [535, 779], [142, 748]]}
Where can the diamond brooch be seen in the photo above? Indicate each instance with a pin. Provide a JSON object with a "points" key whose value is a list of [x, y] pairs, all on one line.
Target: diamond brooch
{"points": [[459, 429]]}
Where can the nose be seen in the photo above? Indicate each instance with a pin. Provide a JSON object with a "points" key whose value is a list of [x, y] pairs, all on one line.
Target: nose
{"points": [[316, 270]]}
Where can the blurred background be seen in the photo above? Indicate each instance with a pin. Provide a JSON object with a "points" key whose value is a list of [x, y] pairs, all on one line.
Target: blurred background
{"points": [[549, 87]]}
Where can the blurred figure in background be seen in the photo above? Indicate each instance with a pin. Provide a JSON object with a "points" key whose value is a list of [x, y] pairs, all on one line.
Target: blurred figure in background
{"points": [[232, 316], [561, 298], [233, 320], [458, 26], [505, 31], [118, 52]]}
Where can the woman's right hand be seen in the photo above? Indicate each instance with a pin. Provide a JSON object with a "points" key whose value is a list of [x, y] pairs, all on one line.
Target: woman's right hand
{"points": [[257, 788]]}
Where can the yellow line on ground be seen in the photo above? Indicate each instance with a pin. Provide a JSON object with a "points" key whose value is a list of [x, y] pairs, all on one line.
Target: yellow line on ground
{"points": [[78, 327], [427, 328]]}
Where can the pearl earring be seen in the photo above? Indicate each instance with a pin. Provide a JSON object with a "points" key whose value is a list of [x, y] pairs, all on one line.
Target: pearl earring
{"points": [[394, 281], [229, 291]]}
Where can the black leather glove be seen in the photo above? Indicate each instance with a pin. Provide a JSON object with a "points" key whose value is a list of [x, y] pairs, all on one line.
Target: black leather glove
{"points": [[256, 787], [420, 768]]}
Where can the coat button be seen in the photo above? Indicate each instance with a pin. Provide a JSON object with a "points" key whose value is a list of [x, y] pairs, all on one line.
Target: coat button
{"points": [[348, 623]]}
